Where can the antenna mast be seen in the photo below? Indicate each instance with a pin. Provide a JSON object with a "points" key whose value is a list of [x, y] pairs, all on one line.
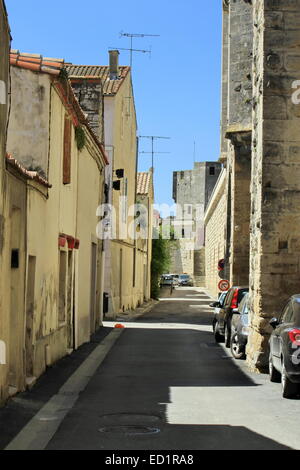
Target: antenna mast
{"points": [[132, 36], [153, 137]]}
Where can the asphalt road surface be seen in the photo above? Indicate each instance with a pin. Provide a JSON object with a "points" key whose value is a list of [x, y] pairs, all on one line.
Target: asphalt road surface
{"points": [[166, 385]]}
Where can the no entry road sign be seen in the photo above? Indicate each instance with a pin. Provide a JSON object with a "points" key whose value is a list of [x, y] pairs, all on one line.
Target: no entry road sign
{"points": [[223, 285]]}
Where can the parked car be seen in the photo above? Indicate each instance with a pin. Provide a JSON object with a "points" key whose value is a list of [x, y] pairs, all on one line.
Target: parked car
{"points": [[166, 280], [284, 359], [217, 306], [222, 320], [240, 328], [185, 280], [175, 279]]}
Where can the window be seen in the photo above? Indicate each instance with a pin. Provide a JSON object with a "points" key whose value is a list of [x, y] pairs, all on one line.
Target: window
{"points": [[67, 151], [287, 314], [14, 259], [212, 171]]}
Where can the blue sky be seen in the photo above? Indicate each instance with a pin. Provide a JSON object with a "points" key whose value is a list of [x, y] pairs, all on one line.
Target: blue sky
{"points": [[177, 91]]}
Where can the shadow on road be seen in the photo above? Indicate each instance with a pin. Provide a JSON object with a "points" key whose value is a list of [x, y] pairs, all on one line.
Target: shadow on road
{"points": [[162, 374]]}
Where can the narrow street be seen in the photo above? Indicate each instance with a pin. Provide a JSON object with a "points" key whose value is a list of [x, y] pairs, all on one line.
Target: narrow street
{"points": [[165, 384]]}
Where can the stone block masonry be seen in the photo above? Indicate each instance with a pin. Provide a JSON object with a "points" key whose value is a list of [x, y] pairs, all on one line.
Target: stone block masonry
{"points": [[192, 190], [275, 180]]}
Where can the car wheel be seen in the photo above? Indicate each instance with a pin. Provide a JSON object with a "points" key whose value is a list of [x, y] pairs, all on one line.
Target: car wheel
{"points": [[275, 376], [235, 347], [289, 389], [227, 337], [218, 337]]}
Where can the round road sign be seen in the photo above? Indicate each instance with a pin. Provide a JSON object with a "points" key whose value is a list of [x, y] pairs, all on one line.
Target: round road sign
{"points": [[223, 285]]}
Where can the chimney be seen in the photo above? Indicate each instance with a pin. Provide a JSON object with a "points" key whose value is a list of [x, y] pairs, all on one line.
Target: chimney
{"points": [[114, 64]]}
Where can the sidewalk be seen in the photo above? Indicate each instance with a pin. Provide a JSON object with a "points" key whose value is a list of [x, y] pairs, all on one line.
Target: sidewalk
{"points": [[132, 315], [24, 406], [20, 409]]}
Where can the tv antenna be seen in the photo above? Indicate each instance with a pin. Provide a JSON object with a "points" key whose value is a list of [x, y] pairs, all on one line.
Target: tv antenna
{"points": [[153, 137], [132, 36]]}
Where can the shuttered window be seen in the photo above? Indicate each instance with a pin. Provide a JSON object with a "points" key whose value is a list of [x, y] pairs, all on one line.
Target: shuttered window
{"points": [[67, 151]]}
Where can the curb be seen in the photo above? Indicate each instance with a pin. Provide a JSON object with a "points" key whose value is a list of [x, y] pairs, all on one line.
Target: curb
{"points": [[133, 314]]}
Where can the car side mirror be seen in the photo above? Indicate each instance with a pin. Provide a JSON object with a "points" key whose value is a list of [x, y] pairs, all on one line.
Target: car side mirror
{"points": [[274, 323], [214, 304]]}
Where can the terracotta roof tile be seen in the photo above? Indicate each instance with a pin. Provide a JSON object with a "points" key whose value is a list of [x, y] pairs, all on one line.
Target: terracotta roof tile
{"points": [[143, 182], [98, 72], [36, 62], [32, 175]]}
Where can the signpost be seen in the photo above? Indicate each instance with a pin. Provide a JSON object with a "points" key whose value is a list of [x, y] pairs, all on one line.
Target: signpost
{"points": [[223, 285]]}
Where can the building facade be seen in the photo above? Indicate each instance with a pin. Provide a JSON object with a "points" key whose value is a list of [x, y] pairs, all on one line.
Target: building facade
{"points": [[55, 253], [120, 137], [145, 226], [191, 192], [215, 235], [259, 149], [4, 244]]}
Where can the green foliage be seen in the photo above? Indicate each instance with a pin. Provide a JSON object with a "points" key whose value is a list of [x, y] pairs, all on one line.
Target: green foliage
{"points": [[80, 137], [160, 263]]}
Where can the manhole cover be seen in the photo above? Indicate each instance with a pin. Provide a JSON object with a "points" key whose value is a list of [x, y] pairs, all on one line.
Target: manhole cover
{"points": [[129, 430]]}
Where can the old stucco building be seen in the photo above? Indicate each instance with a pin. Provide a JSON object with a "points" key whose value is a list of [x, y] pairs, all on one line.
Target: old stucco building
{"points": [[145, 202], [260, 150], [116, 122], [55, 174], [4, 273]]}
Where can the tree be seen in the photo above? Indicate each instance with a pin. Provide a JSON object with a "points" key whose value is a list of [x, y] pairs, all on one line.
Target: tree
{"points": [[160, 262]]}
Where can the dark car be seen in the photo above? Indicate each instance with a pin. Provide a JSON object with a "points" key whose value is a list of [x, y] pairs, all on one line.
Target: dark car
{"points": [[240, 328], [185, 280], [284, 359], [222, 320], [217, 307]]}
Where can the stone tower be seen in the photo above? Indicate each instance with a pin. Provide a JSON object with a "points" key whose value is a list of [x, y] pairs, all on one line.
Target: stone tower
{"points": [[192, 190]]}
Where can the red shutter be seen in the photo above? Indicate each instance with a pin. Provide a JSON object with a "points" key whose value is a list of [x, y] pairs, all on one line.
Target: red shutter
{"points": [[67, 151]]}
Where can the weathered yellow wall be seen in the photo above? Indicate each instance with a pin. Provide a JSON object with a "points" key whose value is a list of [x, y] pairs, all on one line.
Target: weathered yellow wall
{"points": [[47, 218], [125, 155], [13, 285], [62, 209], [90, 196], [144, 253], [4, 203], [28, 139]]}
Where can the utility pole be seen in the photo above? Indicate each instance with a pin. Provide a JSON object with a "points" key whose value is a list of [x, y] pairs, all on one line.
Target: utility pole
{"points": [[133, 35]]}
